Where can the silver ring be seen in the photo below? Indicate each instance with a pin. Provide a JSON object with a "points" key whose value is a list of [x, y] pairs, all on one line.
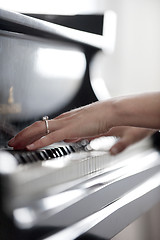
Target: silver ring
{"points": [[46, 118]]}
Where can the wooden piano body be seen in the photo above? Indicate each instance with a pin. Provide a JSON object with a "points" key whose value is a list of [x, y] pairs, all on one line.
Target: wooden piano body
{"points": [[65, 192]]}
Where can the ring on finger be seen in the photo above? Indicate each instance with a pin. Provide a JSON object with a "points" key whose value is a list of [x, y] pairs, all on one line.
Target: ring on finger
{"points": [[46, 118]]}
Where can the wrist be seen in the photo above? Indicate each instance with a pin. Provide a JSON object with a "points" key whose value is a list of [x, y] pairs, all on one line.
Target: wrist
{"points": [[111, 114], [118, 114], [123, 112]]}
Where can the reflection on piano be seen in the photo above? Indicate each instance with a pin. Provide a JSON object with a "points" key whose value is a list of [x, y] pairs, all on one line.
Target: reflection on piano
{"points": [[75, 191]]}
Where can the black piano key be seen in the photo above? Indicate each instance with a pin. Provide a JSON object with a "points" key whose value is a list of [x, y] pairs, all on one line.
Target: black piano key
{"points": [[72, 149], [50, 153], [55, 152], [47, 157], [64, 150], [40, 155], [18, 158], [68, 150], [59, 152], [24, 157], [34, 156], [31, 157]]}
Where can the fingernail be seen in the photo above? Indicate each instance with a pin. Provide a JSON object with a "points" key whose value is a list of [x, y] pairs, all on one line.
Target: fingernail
{"points": [[30, 147], [114, 151], [11, 142]]}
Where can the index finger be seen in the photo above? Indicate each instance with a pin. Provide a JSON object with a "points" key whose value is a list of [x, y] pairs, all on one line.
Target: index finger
{"points": [[28, 135]]}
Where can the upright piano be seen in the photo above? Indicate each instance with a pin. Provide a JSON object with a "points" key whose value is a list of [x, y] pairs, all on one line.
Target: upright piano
{"points": [[64, 191]]}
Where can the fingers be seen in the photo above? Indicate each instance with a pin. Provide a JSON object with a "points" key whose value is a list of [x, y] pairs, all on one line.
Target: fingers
{"points": [[118, 147], [31, 134], [73, 140], [117, 131], [128, 136], [34, 136], [28, 135], [77, 124], [47, 140]]}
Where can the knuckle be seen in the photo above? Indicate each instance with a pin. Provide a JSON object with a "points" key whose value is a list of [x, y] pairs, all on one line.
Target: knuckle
{"points": [[21, 136]]}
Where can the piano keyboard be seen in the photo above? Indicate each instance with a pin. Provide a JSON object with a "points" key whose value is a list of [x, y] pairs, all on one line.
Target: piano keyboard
{"points": [[56, 188], [24, 157], [61, 149], [58, 166]]}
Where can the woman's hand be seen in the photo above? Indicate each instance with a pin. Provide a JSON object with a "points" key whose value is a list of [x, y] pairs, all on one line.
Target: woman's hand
{"points": [[95, 119], [127, 136], [80, 123]]}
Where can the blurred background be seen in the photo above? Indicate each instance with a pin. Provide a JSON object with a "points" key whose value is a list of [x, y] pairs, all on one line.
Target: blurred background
{"points": [[133, 65]]}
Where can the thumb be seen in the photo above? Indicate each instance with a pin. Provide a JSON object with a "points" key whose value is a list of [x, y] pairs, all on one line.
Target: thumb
{"points": [[119, 146]]}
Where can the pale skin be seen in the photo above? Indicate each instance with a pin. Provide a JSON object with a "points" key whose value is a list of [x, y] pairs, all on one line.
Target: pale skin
{"points": [[131, 118]]}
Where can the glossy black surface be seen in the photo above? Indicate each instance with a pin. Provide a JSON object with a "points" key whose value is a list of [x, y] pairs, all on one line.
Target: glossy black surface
{"points": [[26, 45]]}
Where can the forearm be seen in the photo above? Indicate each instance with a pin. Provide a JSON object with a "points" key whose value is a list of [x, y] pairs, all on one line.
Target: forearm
{"points": [[138, 111]]}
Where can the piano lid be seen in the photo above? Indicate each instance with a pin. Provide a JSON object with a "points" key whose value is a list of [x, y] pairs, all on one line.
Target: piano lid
{"points": [[24, 24], [37, 77]]}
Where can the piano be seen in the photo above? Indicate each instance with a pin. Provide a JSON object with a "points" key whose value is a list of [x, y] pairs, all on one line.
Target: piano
{"points": [[64, 191]]}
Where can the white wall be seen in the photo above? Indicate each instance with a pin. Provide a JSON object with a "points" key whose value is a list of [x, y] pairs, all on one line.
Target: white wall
{"points": [[135, 65]]}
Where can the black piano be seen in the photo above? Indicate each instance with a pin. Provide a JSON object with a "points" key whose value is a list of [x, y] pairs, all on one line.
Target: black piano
{"points": [[64, 191]]}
